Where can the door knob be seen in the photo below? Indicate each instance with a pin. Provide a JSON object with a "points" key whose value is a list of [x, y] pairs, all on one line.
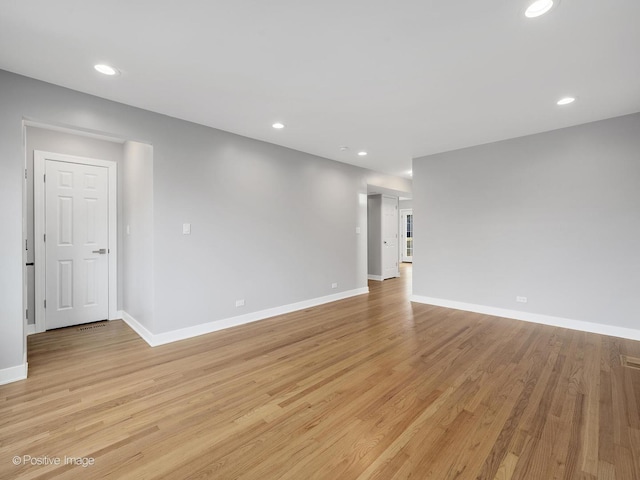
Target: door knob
{"points": [[102, 251]]}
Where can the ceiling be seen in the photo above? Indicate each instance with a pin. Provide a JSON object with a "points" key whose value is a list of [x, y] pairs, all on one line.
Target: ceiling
{"points": [[398, 79]]}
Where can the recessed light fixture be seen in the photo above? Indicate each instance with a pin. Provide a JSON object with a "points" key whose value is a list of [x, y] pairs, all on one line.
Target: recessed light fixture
{"points": [[106, 69], [278, 125], [539, 7], [566, 101], [362, 153]]}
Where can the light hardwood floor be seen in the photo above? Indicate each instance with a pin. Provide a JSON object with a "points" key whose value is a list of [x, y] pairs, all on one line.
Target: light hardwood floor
{"points": [[368, 387]]}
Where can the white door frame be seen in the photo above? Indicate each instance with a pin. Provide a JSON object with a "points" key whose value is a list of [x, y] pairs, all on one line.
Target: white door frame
{"points": [[403, 233], [39, 158]]}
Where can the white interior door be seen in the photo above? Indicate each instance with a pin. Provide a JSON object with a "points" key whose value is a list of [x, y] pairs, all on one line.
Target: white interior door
{"points": [[406, 226], [389, 237], [76, 243]]}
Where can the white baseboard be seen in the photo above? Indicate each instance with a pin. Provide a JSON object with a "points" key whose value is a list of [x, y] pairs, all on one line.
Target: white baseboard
{"points": [[31, 328], [380, 278], [13, 374], [602, 329], [175, 335], [140, 329]]}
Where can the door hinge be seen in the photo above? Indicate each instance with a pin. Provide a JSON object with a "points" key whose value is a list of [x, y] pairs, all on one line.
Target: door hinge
{"points": [[45, 237], [26, 314], [44, 177], [45, 304], [26, 245], [25, 173]]}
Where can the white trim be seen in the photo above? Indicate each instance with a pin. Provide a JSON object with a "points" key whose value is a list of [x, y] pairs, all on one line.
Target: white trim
{"points": [[599, 328], [175, 335], [13, 374], [73, 131], [39, 158], [31, 329], [377, 278], [25, 257], [140, 329]]}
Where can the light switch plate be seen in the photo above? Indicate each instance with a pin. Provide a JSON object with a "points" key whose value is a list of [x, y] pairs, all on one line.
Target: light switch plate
{"points": [[186, 229]]}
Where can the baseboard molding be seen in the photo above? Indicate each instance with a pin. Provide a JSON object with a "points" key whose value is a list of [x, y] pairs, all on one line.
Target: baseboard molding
{"points": [[31, 329], [13, 374], [182, 334], [602, 329], [380, 278], [137, 327]]}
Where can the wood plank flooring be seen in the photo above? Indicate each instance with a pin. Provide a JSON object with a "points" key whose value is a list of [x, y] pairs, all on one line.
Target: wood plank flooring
{"points": [[371, 387]]}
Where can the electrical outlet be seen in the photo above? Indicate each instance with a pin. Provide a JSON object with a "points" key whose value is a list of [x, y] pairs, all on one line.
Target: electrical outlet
{"points": [[240, 303], [521, 299], [334, 285]]}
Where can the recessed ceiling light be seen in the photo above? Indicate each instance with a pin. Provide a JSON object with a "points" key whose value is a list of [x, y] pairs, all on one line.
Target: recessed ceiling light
{"points": [[539, 7], [106, 69], [566, 101], [278, 125], [362, 154]]}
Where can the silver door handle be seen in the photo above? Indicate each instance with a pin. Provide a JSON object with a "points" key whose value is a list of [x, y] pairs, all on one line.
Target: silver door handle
{"points": [[102, 251]]}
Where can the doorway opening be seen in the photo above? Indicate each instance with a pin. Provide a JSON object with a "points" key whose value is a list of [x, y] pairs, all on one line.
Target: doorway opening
{"points": [[75, 209], [386, 244]]}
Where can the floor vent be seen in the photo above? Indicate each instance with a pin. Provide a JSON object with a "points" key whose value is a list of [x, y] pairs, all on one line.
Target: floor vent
{"points": [[631, 362], [98, 325]]}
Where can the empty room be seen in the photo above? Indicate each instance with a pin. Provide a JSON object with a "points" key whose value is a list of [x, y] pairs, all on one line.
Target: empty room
{"points": [[320, 240]]}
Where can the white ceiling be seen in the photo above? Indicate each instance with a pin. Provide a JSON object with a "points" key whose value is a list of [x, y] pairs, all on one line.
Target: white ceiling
{"points": [[399, 79]]}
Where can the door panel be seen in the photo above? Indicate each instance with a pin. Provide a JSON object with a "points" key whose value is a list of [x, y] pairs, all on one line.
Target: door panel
{"points": [[76, 228], [389, 237]]}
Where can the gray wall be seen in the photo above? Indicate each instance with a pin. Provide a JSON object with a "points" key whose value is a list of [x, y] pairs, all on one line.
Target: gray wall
{"points": [[554, 217], [62, 142], [270, 225], [137, 231], [374, 234]]}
